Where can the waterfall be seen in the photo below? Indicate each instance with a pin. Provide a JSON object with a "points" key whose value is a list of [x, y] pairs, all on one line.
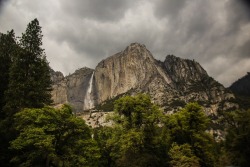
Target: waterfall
{"points": [[88, 100]]}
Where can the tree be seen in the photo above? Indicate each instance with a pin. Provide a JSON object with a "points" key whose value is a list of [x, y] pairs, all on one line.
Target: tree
{"points": [[182, 156], [27, 79], [189, 127], [136, 135], [237, 143], [7, 48], [30, 83], [31, 40], [53, 137], [102, 136]]}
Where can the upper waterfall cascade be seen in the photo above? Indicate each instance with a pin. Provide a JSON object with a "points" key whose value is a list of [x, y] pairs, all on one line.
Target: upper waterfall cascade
{"points": [[88, 100]]}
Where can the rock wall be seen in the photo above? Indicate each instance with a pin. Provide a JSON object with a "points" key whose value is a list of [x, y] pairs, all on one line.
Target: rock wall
{"points": [[72, 89], [170, 84], [132, 68]]}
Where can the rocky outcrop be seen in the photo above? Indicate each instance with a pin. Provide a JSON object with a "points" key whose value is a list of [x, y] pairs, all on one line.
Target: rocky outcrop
{"points": [[170, 84], [193, 84], [73, 89], [96, 119], [56, 76], [131, 69]]}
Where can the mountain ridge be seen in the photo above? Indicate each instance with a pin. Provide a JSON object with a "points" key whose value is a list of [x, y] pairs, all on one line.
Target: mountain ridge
{"points": [[170, 83], [242, 86]]}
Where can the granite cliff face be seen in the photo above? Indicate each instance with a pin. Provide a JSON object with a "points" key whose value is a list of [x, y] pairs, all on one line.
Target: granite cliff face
{"points": [[73, 89], [56, 76], [193, 84], [171, 83], [134, 68]]}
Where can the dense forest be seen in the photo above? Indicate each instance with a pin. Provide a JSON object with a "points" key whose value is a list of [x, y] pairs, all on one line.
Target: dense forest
{"points": [[32, 133]]}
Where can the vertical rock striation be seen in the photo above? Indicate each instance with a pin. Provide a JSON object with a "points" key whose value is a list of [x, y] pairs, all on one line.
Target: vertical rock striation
{"points": [[72, 89], [130, 69], [170, 83]]}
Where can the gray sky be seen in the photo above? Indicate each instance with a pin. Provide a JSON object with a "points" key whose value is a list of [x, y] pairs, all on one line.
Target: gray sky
{"points": [[79, 33]]}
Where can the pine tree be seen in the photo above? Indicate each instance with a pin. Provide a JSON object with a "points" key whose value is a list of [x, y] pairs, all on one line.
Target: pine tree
{"points": [[30, 83], [7, 49], [189, 127], [31, 40]]}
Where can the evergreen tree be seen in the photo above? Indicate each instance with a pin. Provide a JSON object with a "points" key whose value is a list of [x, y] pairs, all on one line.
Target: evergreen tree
{"points": [[237, 143], [7, 49], [136, 135], [189, 127], [31, 40], [30, 83]]}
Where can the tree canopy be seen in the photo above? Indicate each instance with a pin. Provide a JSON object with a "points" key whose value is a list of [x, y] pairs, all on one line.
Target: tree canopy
{"points": [[30, 83], [7, 50], [237, 143], [25, 80], [187, 129], [49, 136]]}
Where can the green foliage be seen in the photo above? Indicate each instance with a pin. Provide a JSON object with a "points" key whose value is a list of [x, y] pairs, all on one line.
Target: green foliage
{"points": [[7, 50], [53, 137], [25, 79], [237, 142], [137, 112], [30, 84], [101, 136], [31, 40], [188, 127], [144, 136], [182, 156], [136, 135]]}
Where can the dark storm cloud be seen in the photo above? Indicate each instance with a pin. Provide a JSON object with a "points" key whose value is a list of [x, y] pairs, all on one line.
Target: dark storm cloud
{"points": [[210, 32], [81, 33], [2, 4], [104, 10], [246, 2], [245, 50], [238, 15], [238, 18], [165, 8], [191, 26]]}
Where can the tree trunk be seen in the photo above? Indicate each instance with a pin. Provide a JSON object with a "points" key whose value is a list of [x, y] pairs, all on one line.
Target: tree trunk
{"points": [[47, 160]]}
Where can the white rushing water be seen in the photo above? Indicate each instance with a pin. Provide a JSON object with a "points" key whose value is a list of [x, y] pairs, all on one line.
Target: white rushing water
{"points": [[88, 100]]}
